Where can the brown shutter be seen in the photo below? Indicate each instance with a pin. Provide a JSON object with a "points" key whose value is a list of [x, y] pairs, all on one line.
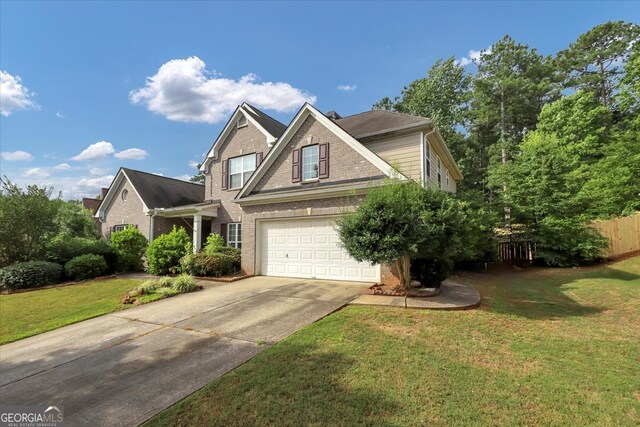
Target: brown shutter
{"points": [[296, 166], [258, 159], [323, 161], [223, 233], [225, 175]]}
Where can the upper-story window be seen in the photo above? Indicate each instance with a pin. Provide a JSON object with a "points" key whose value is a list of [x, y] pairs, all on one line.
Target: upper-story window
{"points": [[240, 170], [242, 122], [446, 174], [439, 174], [310, 163]]}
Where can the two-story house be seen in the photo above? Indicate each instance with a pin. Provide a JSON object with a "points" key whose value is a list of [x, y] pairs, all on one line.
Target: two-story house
{"points": [[275, 191]]}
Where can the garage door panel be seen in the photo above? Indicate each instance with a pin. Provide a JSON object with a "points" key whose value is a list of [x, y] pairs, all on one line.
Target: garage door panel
{"points": [[309, 248]]}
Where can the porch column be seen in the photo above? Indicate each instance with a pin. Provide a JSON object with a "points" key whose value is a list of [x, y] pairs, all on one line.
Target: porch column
{"points": [[197, 233]]}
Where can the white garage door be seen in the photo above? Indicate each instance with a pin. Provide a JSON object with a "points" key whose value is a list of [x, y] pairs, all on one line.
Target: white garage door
{"points": [[309, 248]]}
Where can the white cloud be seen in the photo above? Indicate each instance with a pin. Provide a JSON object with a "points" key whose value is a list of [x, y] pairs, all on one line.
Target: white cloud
{"points": [[96, 151], [60, 115], [35, 173], [131, 153], [16, 156], [193, 164], [97, 171], [63, 167], [92, 185], [184, 177], [13, 95], [183, 90], [473, 57], [347, 88]]}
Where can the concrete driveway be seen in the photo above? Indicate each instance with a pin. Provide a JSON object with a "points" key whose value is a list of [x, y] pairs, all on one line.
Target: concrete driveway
{"points": [[122, 368]]}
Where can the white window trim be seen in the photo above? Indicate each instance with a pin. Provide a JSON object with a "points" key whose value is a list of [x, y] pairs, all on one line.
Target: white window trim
{"points": [[242, 172], [234, 242], [317, 163]]}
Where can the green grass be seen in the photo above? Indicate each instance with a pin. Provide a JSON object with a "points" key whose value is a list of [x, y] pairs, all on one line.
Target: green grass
{"points": [[25, 314], [547, 347]]}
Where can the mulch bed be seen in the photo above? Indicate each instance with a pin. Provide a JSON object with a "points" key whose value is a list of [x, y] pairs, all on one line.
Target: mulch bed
{"points": [[397, 291]]}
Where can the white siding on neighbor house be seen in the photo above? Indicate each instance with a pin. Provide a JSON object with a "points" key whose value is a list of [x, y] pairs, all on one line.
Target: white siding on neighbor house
{"points": [[402, 151]]}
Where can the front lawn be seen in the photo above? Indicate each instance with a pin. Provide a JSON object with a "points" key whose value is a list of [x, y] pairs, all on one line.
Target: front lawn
{"points": [[25, 314], [547, 347]]}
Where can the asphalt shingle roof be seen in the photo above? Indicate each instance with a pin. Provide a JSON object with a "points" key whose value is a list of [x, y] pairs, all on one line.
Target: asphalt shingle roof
{"points": [[269, 124], [161, 192], [377, 121]]}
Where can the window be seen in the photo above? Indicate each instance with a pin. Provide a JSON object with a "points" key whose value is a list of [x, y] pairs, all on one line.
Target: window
{"points": [[439, 174], [122, 227], [446, 174], [310, 163], [242, 122], [240, 169], [234, 235], [124, 195], [427, 150]]}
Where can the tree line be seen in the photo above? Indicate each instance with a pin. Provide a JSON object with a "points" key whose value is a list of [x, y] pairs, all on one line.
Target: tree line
{"points": [[547, 143]]}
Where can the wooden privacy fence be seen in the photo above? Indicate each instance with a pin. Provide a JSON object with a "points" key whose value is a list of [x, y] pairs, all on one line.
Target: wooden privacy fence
{"points": [[623, 234], [516, 251]]}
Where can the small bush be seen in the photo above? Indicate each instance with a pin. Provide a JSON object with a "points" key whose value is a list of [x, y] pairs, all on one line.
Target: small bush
{"points": [[215, 265], [215, 243], [567, 242], [147, 287], [63, 249], [32, 274], [130, 245], [85, 267], [167, 292], [184, 283], [165, 251], [431, 272], [165, 282]]}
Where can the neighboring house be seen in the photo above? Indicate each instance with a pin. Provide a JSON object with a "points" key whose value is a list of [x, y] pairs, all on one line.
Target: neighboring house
{"points": [[93, 205], [153, 204], [274, 190]]}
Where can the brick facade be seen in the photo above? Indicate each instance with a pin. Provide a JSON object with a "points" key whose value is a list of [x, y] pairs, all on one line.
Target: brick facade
{"points": [[344, 162], [130, 211], [245, 140]]}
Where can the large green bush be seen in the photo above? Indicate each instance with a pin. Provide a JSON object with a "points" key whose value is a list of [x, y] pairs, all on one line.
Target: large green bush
{"points": [[130, 245], [164, 252], [567, 242], [215, 243], [215, 265], [64, 248], [85, 267], [31, 274]]}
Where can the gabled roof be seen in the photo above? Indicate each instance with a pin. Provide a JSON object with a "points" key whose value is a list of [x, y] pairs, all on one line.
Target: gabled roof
{"points": [[306, 111], [155, 191], [375, 122], [266, 124], [271, 125]]}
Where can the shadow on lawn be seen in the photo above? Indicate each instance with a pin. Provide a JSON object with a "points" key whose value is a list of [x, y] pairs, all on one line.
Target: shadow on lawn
{"points": [[541, 293], [291, 384]]}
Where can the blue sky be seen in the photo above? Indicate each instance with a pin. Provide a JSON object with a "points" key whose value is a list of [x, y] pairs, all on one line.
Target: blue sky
{"points": [[77, 103]]}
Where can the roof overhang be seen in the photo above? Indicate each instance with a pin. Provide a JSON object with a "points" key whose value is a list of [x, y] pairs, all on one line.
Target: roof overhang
{"points": [[204, 209], [309, 194], [241, 110], [309, 110]]}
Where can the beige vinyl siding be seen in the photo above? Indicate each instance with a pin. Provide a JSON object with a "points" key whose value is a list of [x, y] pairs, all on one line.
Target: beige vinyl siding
{"points": [[401, 151], [432, 180]]}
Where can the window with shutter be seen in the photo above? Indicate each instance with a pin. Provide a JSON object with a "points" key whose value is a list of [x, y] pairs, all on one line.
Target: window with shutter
{"points": [[310, 162]]}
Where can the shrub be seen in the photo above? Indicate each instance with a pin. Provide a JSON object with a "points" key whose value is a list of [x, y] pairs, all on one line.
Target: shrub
{"points": [[216, 265], [64, 248], [147, 287], [215, 243], [167, 292], [165, 251], [430, 272], [567, 242], [31, 274], [130, 245], [184, 283], [85, 267], [235, 255], [165, 282]]}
